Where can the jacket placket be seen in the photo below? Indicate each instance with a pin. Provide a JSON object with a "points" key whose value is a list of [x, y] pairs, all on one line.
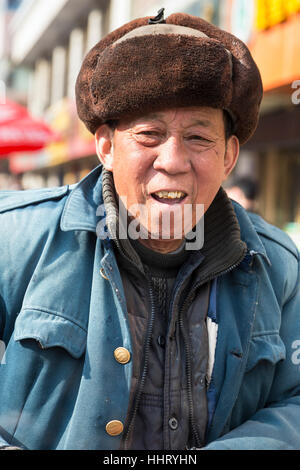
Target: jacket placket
{"points": [[104, 390], [239, 306]]}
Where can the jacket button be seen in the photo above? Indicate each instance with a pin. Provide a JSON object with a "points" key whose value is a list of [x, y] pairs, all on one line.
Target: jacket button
{"points": [[114, 428], [122, 355], [173, 423]]}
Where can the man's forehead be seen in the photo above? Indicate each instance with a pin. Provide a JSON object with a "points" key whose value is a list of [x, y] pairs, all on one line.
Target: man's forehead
{"points": [[204, 116]]}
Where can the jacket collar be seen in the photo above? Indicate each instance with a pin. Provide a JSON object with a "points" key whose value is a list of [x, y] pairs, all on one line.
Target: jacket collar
{"points": [[80, 212], [249, 233]]}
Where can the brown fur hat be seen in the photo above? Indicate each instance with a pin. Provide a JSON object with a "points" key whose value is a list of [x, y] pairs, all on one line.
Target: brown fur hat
{"points": [[184, 61]]}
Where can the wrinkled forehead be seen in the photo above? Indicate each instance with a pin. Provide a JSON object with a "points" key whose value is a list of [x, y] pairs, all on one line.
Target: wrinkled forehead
{"points": [[185, 116]]}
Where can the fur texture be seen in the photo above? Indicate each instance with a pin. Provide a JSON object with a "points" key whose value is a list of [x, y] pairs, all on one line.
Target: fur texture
{"points": [[153, 72]]}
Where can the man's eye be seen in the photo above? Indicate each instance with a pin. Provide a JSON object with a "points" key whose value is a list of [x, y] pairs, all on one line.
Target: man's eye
{"points": [[196, 137], [149, 138], [149, 133], [199, 138]]}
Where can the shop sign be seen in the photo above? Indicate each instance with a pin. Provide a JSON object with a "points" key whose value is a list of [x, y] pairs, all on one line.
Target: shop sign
{"points": [[272, 12]]}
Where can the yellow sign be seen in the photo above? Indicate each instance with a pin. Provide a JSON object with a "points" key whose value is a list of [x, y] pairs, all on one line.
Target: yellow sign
{"points": [[272, 12], [58, 153]]}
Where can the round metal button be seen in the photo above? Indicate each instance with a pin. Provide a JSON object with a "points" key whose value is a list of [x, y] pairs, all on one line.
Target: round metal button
{"points": [[122, 355], [114, 428], [173, 423]]}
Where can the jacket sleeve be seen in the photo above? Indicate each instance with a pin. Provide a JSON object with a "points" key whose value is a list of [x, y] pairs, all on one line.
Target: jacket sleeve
{"points": [[276, 427], [3, 442]]}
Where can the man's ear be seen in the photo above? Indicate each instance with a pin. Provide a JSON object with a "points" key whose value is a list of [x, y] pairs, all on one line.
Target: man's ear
{"points": [[231, 155], [104, 146]]}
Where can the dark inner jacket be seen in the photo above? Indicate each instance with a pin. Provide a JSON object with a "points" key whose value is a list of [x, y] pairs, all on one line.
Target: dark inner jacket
{"points": [[167, 300]]}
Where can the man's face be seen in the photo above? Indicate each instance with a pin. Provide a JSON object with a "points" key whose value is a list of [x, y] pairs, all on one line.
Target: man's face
{"points": [[168, 159]]}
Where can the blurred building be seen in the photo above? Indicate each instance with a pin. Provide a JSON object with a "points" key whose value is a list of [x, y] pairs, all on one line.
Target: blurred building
{"points": [[271, 28], [7, 10], [48, 40], [47, 46]]}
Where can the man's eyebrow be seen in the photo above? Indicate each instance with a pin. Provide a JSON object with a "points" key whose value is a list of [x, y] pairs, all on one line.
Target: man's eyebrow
{"points": [[200, 122]]}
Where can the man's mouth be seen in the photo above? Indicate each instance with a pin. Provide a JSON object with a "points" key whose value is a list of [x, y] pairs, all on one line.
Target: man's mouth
{"points": [[169, 197]]}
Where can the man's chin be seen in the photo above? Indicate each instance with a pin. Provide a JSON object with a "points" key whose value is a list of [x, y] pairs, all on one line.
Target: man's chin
{"points": [[162, 245]]}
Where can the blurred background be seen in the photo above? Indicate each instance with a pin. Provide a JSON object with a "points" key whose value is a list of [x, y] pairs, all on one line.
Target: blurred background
{"points": [[43, 43]]}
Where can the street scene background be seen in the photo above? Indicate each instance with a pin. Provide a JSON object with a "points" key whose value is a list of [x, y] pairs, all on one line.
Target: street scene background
{"points": [[43, 43]]}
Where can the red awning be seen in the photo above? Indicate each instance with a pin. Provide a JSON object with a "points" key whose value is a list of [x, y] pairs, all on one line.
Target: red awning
{"points": [[20, 132]]}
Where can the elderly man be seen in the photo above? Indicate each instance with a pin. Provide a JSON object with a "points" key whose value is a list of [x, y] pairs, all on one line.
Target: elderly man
{"points": [[129, 321]]}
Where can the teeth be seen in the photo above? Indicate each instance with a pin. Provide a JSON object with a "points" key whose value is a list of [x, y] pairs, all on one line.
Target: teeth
{"points": [[169, 194]]}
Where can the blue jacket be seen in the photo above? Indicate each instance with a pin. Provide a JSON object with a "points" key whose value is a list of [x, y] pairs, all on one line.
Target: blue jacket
{"points": [[60, 322]]}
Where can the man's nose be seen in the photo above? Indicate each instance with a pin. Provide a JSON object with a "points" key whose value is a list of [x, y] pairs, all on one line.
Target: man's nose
{"points": [[172, 157]]}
